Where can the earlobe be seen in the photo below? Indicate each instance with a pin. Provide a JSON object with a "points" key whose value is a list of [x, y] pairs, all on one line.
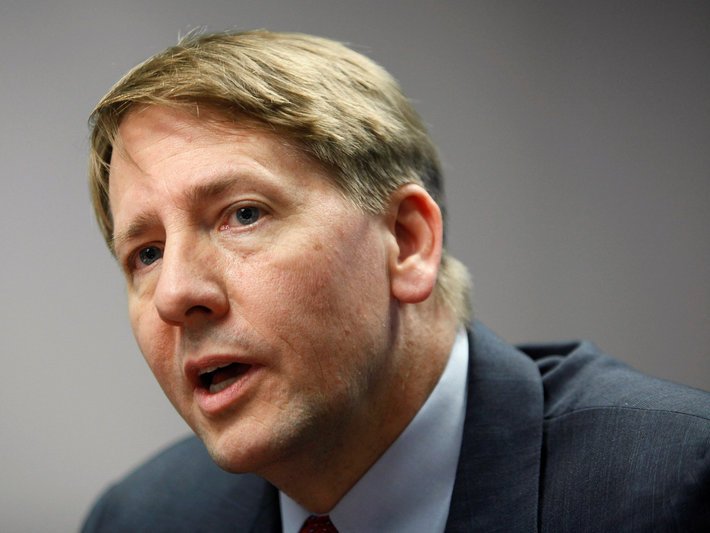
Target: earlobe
{"points": [[417, 227]]}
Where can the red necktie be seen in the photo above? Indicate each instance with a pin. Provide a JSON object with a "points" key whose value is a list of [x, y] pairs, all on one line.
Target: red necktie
{"points": [[318, 524]]}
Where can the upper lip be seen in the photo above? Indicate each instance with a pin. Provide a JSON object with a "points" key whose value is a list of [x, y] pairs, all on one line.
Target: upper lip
{"points": [[194, 368]]}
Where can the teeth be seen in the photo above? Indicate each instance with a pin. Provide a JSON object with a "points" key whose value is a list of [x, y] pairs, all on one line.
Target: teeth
{"points": [[212, 369], [222, 385]]}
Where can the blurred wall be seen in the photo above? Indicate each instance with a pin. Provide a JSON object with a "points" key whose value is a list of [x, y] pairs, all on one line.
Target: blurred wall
{"points": [[575, 142]]}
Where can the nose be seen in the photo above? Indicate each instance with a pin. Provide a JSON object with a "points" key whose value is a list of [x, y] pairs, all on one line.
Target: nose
{"points": [[190, 286]]}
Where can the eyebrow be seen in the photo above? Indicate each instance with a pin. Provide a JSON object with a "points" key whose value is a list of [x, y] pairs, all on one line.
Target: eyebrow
{"points": [[195, 194], [137, 227], [214, 188]]}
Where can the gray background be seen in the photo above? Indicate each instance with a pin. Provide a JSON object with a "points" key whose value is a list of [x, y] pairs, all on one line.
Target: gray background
{"points": [[575, 142]]}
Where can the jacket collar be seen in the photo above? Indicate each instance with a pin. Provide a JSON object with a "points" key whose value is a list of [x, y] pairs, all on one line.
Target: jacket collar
{"points": [[499, 465], [268, 515]]}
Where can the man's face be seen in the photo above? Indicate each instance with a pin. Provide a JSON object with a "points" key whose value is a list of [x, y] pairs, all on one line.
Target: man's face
{"points": [[259, 296]]}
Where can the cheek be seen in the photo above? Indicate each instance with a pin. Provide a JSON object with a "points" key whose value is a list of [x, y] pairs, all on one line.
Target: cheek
{"points": [[283, 294], [155, 340], [319, 294]]}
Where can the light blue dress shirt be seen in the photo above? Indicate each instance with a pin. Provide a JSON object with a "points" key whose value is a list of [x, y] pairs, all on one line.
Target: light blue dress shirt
{"points": [[408, 490]]}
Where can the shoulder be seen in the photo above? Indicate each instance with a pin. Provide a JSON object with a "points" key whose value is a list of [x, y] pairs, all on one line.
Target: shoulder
{"points": [[578, 376], [180, 489], [635, 446]]}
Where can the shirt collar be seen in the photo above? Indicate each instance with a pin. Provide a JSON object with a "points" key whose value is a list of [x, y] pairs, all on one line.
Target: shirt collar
{"points": [[409, 488]]}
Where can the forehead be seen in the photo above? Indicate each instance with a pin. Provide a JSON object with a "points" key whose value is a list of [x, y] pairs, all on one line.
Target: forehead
{"points": [[151, 135], [152, 140]]}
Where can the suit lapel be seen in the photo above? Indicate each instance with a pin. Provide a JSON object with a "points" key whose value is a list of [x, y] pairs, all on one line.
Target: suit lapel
{"points": [[268, 517], [497, 478]]}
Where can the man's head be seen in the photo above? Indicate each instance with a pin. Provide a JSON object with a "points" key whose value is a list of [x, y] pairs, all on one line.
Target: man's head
{"points": [[336, 105], [265, 197]]}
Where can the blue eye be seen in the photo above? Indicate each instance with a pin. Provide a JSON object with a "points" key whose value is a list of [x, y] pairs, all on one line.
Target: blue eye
{"points": [[247, 215], [149, 255]]}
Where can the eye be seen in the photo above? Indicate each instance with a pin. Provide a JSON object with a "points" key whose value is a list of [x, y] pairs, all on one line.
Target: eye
{"points": [[149, 255], [239, 218], [247, 215]]}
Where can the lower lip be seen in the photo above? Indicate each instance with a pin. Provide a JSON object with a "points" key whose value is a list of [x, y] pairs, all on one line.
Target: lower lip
{"points": [[213, 404]]}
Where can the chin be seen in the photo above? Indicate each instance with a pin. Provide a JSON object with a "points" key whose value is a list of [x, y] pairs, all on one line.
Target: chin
{"points": [[228, 460], [227, 463], [237, 455]]}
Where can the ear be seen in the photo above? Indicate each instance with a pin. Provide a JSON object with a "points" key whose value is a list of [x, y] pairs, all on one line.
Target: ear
{"points": [[416, 223]]}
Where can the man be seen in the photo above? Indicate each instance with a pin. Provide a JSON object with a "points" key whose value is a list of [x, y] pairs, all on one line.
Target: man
{"points": [[274, 202]]}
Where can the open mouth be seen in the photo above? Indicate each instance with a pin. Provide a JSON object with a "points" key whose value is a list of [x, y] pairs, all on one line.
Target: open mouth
{"points": [[218, 378]]}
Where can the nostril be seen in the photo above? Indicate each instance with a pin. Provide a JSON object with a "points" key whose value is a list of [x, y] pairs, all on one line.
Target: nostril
{"points": [[198, 309]]}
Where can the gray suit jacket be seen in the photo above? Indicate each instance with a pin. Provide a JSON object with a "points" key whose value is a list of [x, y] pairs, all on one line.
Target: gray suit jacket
{"points": [[556, 438]]}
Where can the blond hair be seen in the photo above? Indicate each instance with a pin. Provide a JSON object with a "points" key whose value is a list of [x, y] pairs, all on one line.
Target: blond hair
{"points": [[338, 106]]}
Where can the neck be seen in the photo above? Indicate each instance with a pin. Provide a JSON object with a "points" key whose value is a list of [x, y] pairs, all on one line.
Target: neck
{"points": [[329, 467]]}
